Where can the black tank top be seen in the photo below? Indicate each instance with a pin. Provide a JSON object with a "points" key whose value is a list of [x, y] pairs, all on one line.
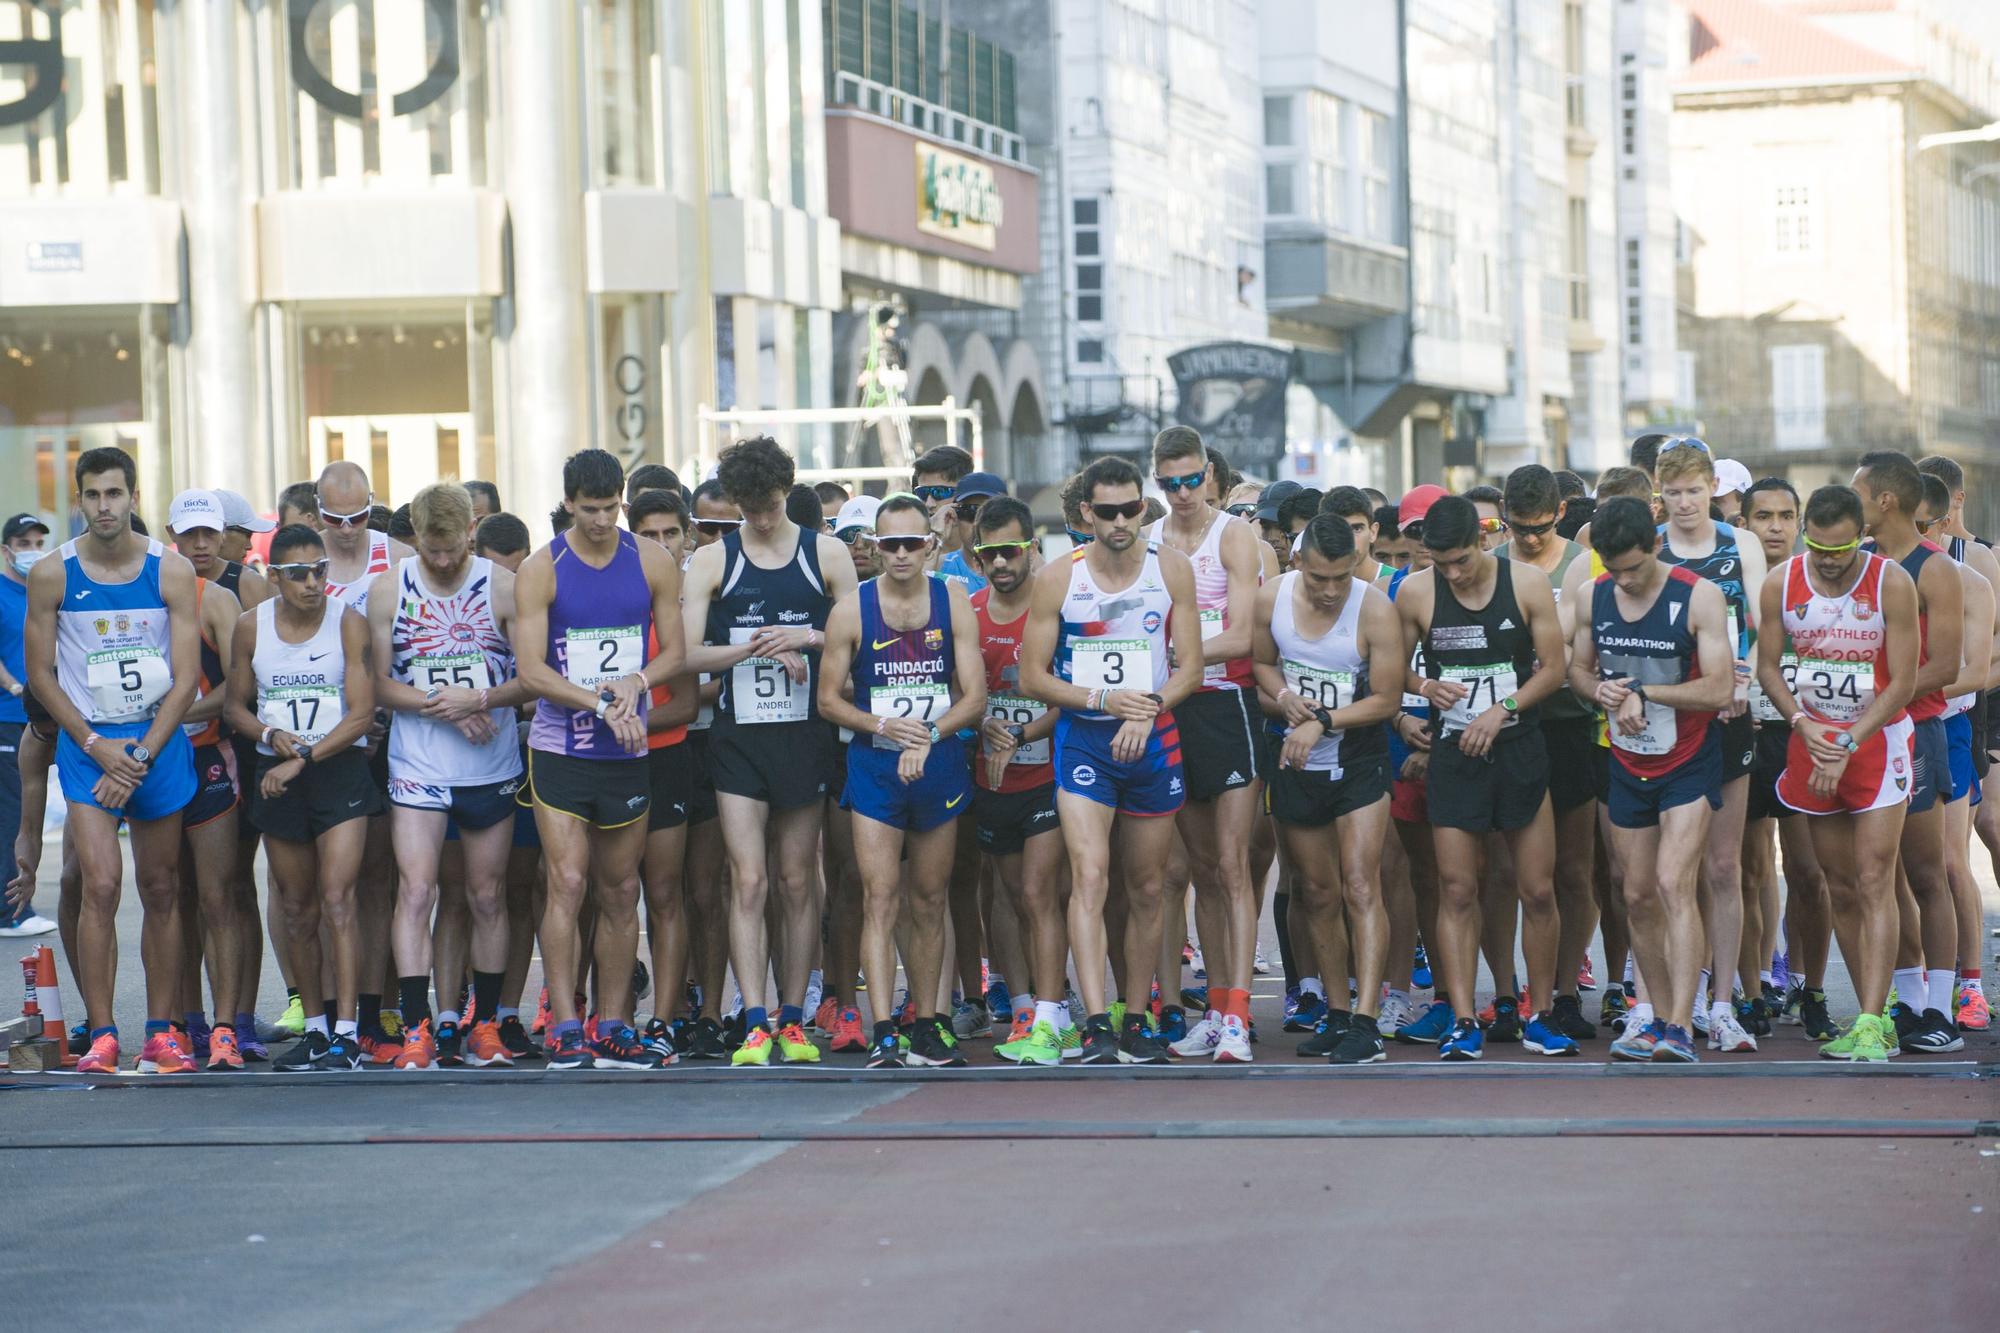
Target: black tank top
{"points": [[750, 596], [232, 578], [1489, 650]]}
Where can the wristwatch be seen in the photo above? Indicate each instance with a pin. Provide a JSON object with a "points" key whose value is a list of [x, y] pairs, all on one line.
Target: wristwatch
{"points": [[605, 698], [1512, 706], [431, 694], [934, 732], [1018, 732], [1640, 690], [304, 753], [140, 755], [1324, 718]]}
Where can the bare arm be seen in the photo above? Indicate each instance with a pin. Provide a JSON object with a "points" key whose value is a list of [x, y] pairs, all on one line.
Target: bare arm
{"points": [[836, 664], [357, 688], [704, 576], [534, 589], [1242, 568], [1538, 604], [390, 693], [1264, 664], [1976, 646], [239, 698], [1184, 622], [1943, 604], [219, 610], [967, 666], [509, 693], [1038, 644]]}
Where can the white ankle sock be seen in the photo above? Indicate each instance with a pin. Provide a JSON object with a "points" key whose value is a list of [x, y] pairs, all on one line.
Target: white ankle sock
{"points": [[1910, 987], [1940, 991]]}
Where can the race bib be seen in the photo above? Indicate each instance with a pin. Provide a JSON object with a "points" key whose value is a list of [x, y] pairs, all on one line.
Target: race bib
{"points": [[917, 700], [761, 690], [595, 657], [1019, 712], [1111, 664], [465, 670], [1211, 625], [1484, 686], [125, 682], [1319, 686], [1835, 691], [1761, 706], [307, 711], [1657, 738]]}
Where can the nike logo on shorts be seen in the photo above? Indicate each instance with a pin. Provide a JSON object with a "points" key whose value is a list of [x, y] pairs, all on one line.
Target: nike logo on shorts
{"points": [[953, 803]]}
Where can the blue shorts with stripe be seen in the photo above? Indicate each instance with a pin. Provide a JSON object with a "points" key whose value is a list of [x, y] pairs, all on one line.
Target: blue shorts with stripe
{"points": [[166, 790], [1149, 785]]}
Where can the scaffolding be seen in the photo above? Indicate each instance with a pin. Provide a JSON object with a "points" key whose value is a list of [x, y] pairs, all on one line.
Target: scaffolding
{"points": [[787, 425]]}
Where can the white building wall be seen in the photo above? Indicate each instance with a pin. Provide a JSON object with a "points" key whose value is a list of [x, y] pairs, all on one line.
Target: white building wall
{"points": [[1645, 261]]}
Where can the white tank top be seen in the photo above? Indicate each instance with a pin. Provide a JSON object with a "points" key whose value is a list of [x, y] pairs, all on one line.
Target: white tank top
{"points": [[1329, 670], [1114, 640], [1841, 642], [299, 685], [450, 639], [1211, 598], [113, 647], [355, 594]]}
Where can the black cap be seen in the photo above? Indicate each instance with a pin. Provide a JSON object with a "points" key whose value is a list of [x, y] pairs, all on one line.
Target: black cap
{"points": [[1274, 495], [20, 524]]}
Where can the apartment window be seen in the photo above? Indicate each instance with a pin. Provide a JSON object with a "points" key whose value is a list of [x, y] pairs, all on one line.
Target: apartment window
{"points": [[1579, 260], [1089, 293], [1573, 62], [1090, 351], [1086, 242], [1278, 122], [1628, 111], [1378, 156], [1794, 220], [1684, 391], [1280, 181], [1798, 396]]}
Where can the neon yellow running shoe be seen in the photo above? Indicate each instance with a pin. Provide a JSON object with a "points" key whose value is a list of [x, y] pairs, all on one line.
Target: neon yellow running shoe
{"points": [[1040, 1047], [291, 1024], [1876, 1043], [1117, 1012], [1842, 1046], [795, 1047], [755, 1050], [1071, 1043]]}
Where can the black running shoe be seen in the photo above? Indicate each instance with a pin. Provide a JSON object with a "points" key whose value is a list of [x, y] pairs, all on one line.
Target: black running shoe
{"points": [[570, 1052], [1567, 1018], [1757, 1017], [342, 1054], [932, 1046], [304, 1055], [732, 1031], [515, 1038], [886, 1052], [1937, 1036], [1100, 1045], [1325, 1038], [642, 982], [1506, 1024], [1360, 1044], [79, 1039], [618, 1047], [1813, 1017], [1139, 1045], [1908, 1021], [705, 1040], [451, 1044], [659, 1039]]}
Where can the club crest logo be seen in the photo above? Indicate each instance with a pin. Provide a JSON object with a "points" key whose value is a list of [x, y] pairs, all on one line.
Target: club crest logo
{"points": [[1083, 775], [933, 638], [1152, 621]]}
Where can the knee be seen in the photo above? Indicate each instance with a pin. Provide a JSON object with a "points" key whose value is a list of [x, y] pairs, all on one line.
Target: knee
{"points": [[416, 898], [1363, 895]]}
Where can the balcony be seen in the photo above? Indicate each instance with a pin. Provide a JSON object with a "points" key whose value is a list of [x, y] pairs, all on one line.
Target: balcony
{"points": [[852, 91], [1334, 280]]}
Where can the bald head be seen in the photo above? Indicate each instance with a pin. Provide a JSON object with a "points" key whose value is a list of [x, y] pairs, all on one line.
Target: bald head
{"points": [[343, 488]]}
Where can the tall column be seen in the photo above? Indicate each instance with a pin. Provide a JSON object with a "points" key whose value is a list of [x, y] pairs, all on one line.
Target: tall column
{"points": [[225, 442], [548, 386]]}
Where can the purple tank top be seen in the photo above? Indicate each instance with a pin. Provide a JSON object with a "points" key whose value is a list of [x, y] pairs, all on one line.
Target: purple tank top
{"points": [[599, 620]]}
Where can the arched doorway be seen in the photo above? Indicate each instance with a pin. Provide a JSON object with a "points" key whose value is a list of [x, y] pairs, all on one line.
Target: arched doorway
{"points": [[1027, 432], [999, 455]]}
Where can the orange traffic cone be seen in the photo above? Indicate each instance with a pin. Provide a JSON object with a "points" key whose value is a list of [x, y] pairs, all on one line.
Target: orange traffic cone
{"points": [[48, 992]]}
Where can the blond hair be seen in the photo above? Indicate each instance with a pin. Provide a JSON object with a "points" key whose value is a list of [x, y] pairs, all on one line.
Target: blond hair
{"points": [[441, 509], [1685, 461], [1616, 481]]}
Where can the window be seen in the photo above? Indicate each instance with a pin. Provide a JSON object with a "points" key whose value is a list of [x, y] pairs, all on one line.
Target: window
{"points": [[1090, 350], [1684, 392], [1278, 122], [1086, 243], [1083, 212], [1573, 71], [1279, 178], [1378, 156], [1794, 220], [1579, 260], [1089, 293], [1798, 396]]}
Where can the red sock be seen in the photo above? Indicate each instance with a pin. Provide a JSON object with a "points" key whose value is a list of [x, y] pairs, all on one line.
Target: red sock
{"points": [[1239, 1004], [1968, 974]]}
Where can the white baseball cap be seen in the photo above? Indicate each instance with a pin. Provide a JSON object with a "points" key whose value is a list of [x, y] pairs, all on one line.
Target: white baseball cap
{"points": [[195, 509], [238, 512], [857, 513], [1731, 475]]}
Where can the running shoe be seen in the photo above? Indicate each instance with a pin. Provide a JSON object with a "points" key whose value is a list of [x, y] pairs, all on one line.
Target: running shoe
{"points": [[815, 994], [1781, 972], [378, 1049], [515, 1038], [1974, 1015], [1071, 1040], [1037, 1044], [391, 1020], [1466, 1042], [1430, 1027], [1876, 1040], [1612, 1012], [1138, 1046], [1360, 1043], [1327, 1035], [1258, 964], [1700, 1019], [1173, 1024], [252, 1049], [1566, 1017], [1023, 1024], [1585, 978], [1395, 1012], [570, 1052], [1309, 1013], [1773, 999], [222, 1051], [1938, 1036], [847, 1033], [23, 922], [1233, 1046], [1200, 1039], [451, 1044], [1795, 993], [1100, 1044], [543, 1017], [795, 1047], [886, 1053], [705, 1040], [618, 1047], [197, 1036], [1755, 1017], [342, 1055], [1074, 1003], [1420, 970], [1638, 1042], [642, 981], [1542, 1038], [933, 1047], [420, 1048], [971, 1018], [1506, 1022], [1675, 1046], [906, 1010], [303, 1056], [999, 1000], [1198, 966], [1813, 1017], [755, 1050], [658, 1037], [1195, 998], [79, 1038], [291, 1024], [825, 1017], [1908, 1022], [484, 1049], [163, 1055], [1726, 1034]]}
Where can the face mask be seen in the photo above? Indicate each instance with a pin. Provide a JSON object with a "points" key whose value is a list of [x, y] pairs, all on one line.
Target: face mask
{"points": [[25, 560]]}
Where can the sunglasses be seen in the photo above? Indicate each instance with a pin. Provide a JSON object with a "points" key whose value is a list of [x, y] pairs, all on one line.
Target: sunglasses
{"points": [[1174, 485], [903, 545], [935, 492], [1683, 442], [1079, 538], [967, 510], [1002, 550], [854, 536], [1493, 525], [1833, 550], [299, 572], [357, 519], [1520, 529], [716, 526], [1130, 509], [1242, 510], [1924, 525]]}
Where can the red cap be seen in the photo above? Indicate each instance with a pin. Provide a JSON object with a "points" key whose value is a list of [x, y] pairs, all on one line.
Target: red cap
{"points": [[1418, 503]]}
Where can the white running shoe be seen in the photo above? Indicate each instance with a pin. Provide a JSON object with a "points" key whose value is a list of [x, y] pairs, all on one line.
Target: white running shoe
{"points": [[1702, 1024], [1395, 1013], [1233, 1047], [1258, 965], [1725, 1034], [815, 992], [1201, 1038]]}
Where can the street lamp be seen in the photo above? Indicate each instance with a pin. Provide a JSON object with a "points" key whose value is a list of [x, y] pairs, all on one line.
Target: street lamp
{"points": [[1984, 134]]}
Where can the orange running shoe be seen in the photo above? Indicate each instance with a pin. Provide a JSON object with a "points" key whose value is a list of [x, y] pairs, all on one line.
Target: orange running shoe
{"points": [[542, 1016], [483, 1048], [222, 1052], [1974, 1014], [382, 1050], [101, 1058], [1024, 1025], [163, 1055], [419, 1049], [847, 1033], [826, 1016]]}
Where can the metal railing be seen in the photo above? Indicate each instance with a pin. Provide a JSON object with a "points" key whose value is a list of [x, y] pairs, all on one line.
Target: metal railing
{"points": [[852, 91]]}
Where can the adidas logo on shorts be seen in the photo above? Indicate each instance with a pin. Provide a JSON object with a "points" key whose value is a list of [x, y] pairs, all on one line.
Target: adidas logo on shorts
{"points": [[1234, 776]]}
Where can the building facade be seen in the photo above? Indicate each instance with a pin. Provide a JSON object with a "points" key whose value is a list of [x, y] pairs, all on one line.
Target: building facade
{"points": [[436, 237], [1840, 275]]}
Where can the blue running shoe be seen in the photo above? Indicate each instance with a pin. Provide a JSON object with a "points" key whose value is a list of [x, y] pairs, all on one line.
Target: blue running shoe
{"points": [[1675, 1046], [1542, 1039], [1291, 1002], [1195, 998], [1430, 1027], [1466, 1042], [1420, 973], [998, 1000], [1638, 1043], [1173, 1024], [1310, 1013]]}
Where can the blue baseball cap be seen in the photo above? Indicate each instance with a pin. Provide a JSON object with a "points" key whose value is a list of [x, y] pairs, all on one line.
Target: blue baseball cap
{"points": [[980, 484]]}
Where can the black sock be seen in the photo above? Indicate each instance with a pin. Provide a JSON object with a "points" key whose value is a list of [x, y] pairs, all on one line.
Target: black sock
{"points": [[371, 1013], [885, 1028], [486, 994], [1281, 920], [416, 993], [329, 1015], [291, 993]]}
